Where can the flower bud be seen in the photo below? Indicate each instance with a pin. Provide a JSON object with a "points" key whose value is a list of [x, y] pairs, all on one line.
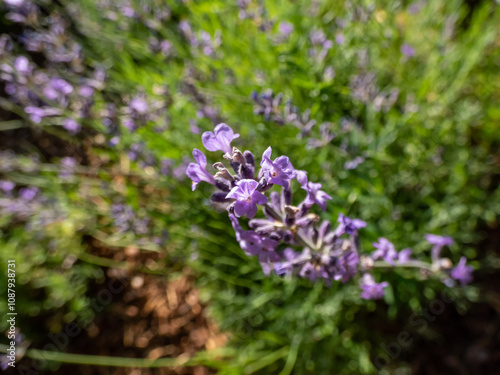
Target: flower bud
{"points": [[219, 198], [222, 185], [249, 158], [247, 172]]}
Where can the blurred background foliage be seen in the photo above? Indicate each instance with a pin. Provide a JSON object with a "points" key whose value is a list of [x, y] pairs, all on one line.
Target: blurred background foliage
{"points": [[405, 99]]}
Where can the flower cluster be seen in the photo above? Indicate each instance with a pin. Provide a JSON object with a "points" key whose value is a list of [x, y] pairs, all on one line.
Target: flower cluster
{"points": [[327, 252]]}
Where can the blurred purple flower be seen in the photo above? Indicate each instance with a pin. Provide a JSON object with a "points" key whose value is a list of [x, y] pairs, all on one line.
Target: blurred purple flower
{"points": [[404, 256], [339, 38], [7, 186], [86, 91], [139, 105], [22, 65], [462, 272], [407, 50], [285, 29], [29, 193], [385, 250], [71, 126], [371, 289], [348, 225]]}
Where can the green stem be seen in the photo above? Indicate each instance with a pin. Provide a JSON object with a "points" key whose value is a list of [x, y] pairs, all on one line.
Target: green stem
{"points": [[409, 264], [200, 359]]}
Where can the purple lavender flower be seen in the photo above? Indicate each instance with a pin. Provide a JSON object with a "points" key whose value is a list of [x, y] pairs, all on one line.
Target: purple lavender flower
{"points": [[7, 186], [86, 91], [353, 164], [347, 266], [220, 139], [114, 141], [4, 362], [68, 165], [325, 255], [314, 271], [371, 289], [254, 244], [36, 114], [407, 50], [436, 240], [14, 3], [247, 198], [339, 38], [71, 126], [197, 172], [385, 250], [29, 193], [165, 166], [462, 272], [22, 65], [280, 171], [404, 256], [439, 242], [285, 29], [129, 124], [314, 194], [348, 225], [285, 267], [56, 88], [139, 105]]}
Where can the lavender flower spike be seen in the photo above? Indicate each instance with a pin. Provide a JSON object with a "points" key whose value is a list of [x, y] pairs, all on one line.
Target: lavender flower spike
{"points": [[247, 198], [219, 139], [371, 289], [197, 171], [461, 272], [314, 194], [280, 171]]}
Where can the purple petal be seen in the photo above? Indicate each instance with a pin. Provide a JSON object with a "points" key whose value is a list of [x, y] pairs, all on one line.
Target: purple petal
{"points": [[200, 158]]}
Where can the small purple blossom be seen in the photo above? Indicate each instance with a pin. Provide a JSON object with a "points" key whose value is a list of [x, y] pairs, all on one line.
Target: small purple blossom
{"points": [[139, 105], [22, 65], [347, 266], [247, 198], [56, 88], [434, 239], [7, 186], [404, 256], [285, 29], [314, 194], [86, 91], [439, 242], [29, 193], [371, 289], [462, 272], [71, 126], [407, 50], [339, 38], [197, 172], [280, 171], [68, 165], [348, 225], [219, 139], [385, 250]]}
